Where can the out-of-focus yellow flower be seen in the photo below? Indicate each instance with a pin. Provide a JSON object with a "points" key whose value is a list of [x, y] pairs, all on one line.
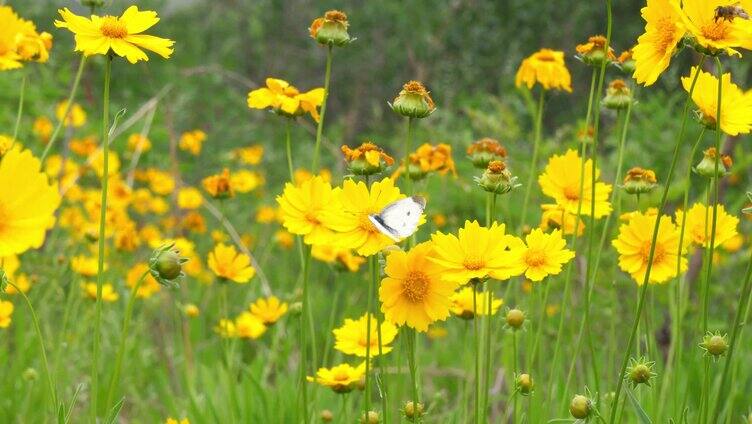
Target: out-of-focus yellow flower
{"points": [[119, 35], [138, 142], [27, 202], [226, 328], [228, 264], [194, 221], [342, 378], [6, 142], [339, 256], [713, 32], [286, 99], [6, 312], [76, 115], [189, 198], [541, 255], [171, 420], [552, 218], [736, 105], [462, 303], [437, 332], [284, 238], [250, 155], [352, 337], [160, 182], [485, 150], [439, 220], [85, 265], [249, 326], [266, 215], [108, 292], [192, 141], [148, 287], [191, 311], [561, 180], [547, 68], [219, 236], [309, 210], [699, 221], [96, 163], [245, 181], [429, 158], [219, 186], [20, 42], [42, 128], [268, 310], [83, 146]]}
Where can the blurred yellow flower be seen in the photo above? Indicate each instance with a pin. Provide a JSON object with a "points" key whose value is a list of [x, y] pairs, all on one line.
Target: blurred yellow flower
{"points": [[108, 292], [76, 115], [552, 217], [191, 311], [341, 257], [119, 35], [20, 41], [429, 158], [96, 163], [561, 180], [249, 326], [308, 209], [194, 221], [414, 291], [541, 255], [462, 303], [189, 198], [26, 210], [42, 128], [266, 214], [301, 175], [736, 105], [656, 46], [268, 310], [22, 281], [6, 142], [250, 155], [228, 264], [699, 221], [138, 142], [192, 141], [148, 287], [284, 238], [83, 146], [6, 312], [245, 181], [171, 420], [219, 186], [547, 68], [160, 182], [85, 265], [285, 99], [352, 337], [341, 378]]}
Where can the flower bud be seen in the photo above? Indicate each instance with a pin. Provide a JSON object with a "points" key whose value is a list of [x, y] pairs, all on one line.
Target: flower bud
{"points": [[166, 265], [296, 308], [640, 371], [327, 416], [368, 159], [30, 374], [485, 150], [497, 178], [191, 311], [707, 168], [626, 62], [581, 407], [331, 29], [618, 95], [524, 384], [714, 344], [414, 101], [411, 413], [371, 418], [594, 52], [515, 318], [639, 181]]}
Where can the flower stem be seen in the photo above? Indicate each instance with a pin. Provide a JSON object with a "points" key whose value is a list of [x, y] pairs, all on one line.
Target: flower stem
{"points": [[24, 77], [68, 105], [651, 254], [375, 276], [320, 126], [101, 239], [534, 160], [515, 370], [369, 307], [406, 163], [476, 333], [123, 337], [413, 346], [304, 333], [491, 208], [288, 149]]}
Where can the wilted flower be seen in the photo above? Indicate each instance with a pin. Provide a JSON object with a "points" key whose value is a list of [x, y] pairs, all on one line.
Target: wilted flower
{"points": [[331, 29], [497, 178], [414, 101], [639, 181], [707, 166], [483, 151], [429, 158], [367, 159], [618, 95]]}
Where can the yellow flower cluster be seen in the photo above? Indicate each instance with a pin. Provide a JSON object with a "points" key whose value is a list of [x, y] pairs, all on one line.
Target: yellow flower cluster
{"points": [[20, 42]]}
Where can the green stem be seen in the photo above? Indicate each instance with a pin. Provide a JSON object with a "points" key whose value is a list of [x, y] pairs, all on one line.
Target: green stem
{"points": [[491, 208], [320, 126], [384, 383], [20, 106], [288, 149], [369, 307], [414, 370], [515, 370], [68, 105], [406, 163], [123, 337], [101, 239], [476, 333], [304, 333], [651, 255], [534, 159]]}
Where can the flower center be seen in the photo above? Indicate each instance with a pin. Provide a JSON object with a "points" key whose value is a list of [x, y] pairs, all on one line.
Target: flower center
{"points": [[572, 193], [311, 218], [666, 28], [473, 263], [535, 258], [341, 375], [715, 30], [4, 218], [415, 286], [658, 256], [366, 225], [113, 28]]}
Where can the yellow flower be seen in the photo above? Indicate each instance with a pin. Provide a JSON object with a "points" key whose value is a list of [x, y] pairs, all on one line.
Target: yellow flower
{"points": [[228, 264], [436, 332], [552, 219], [307, 209], [148, 287], [76, 115], [736, 105], [6, 311], [713, 32], [593, 52], [171, 420], [251, 155], [541, 255], [634, 242], [160, 182], [42, 128], [476, 252], [547, 68], [108, 292], [83, 146], [656, 46], [119, 35], [22, 281], [302, 175], [414, 291], [352, 337], [342, 257], [284, 238], [189, 198], [194, 221], [245, 181], [192, 141], [561, 181], [699, 221], [462, 303], [138, 142], [249, 326], [286, 100], [268, 310], [366, 159], [96, 162], [733, 244], [26, 210], [429, 158], [354, 229], [219, 186], [226, 328], [266, 215], [341, 378], [6, 142], [20, 41], [191, 311]]}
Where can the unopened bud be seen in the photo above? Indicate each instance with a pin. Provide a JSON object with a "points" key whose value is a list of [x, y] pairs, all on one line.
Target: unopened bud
{"points": [[594, 52], [411, 413], [331, 29], [497, 178], [640, 371], [515, 318], [414, 101], [371, 418], [618, 95], [714, 344], [166, 265], [639, 181], [327, 416], [525, 384], [581, 407]]}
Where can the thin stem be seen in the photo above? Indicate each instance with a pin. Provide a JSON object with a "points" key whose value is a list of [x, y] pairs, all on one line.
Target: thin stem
{"points": [[651, 255], [288, 149], [68, 105], [534, 159], [123, 337], [320, 126], [375, 275], [491, 209], [515, 370], [101, 239], [414, 369], [406, 163], [20, 106], [304, 333], [476, 333], [369, 307]]}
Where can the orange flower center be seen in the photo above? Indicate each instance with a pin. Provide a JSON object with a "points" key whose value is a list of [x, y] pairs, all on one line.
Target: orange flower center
{"points": [[535, 258], [4, 218], [113, 28], [715, 30], [572, 193], [658, 256], [546, 56], [666, 28], [311, 218], [341, 375], [415, 286], [473, 263]]}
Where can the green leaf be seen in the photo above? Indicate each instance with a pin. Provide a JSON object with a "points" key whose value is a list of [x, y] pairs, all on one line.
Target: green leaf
{"points": [[644, 418]]}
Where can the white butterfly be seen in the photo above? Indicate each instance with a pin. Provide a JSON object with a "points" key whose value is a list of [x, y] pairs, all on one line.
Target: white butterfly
{"points": [[399, 219]]}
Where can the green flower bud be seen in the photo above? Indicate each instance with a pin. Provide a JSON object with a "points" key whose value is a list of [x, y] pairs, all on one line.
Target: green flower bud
{"points": [[30, 374], [367, 159], [331, 29], [618, 95], [626, 62], [714, 344], [371, 418], [166, 265], [497, 179], [707, 168], [412, 414], [485, 150], [640, 371], [515, 318], [581, 407], [327, 416], [639, 181], [524, 384], [414, 101]]}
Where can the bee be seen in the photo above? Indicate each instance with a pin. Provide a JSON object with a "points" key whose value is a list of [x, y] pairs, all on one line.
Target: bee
{"points": [[728, 13]]}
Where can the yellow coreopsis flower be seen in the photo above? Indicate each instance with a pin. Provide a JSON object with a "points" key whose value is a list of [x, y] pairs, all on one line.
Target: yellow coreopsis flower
{"points": [[219, 186], [352, 337], [286, 99], [699, 222], [76, 114], [249, 326], [192, 141], [119, 35], [85, 265], [251, 155], [308, 209], [541, 255], [339, 256], [228, 264], [23, 282], [284, 238], [42, 128], [552, 218], [561, 180], [20, 42], [27, 202], [245, 181], [713, 32], [634, 242], [189, 198], [414, 291], [354, 229], [138, 142], [268, 310], [656, 46], [6, 312], [736, 105], [341, 378], [547, 68], [108, 292], [462, 303], [266, 215], [476, 252], [171, 420]]}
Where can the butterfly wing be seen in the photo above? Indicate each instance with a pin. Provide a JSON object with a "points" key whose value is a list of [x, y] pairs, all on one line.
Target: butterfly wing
{"points": [[400, 219]]}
